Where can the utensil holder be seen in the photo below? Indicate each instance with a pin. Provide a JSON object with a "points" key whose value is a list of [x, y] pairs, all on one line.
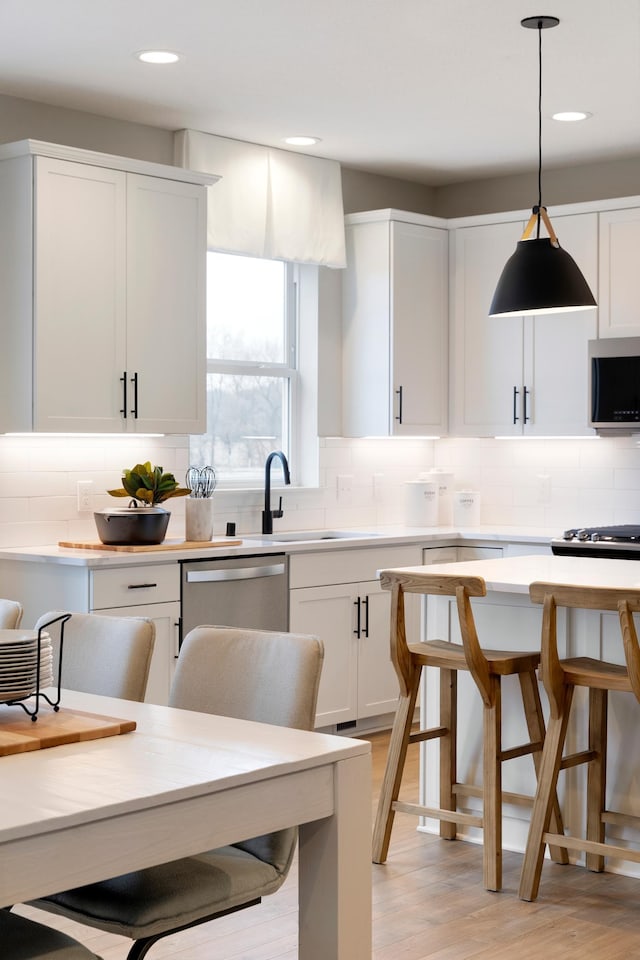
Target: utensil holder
{"points": [[198, 518]]}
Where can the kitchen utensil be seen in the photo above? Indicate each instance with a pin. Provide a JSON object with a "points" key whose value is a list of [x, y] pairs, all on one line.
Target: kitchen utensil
{"points": [[131, 525], [201, 481]]}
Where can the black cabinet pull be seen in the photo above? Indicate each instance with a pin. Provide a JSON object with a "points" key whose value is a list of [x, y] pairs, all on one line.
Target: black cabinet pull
{"points": [[399, 392], [526, 417], [356, 604], [516, 394], [123, 381], [134, 381], [141, 586], [366, 616]]}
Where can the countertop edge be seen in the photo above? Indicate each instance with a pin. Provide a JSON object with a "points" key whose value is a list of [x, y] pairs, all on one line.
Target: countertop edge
{"points": [[253, 544]]}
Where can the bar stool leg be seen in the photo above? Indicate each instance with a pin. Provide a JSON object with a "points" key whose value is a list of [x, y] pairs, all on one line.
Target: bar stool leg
{"points": [[492, 788], [545, 794], [596, 774], [536, 727], [448, 748], [392, 781]]}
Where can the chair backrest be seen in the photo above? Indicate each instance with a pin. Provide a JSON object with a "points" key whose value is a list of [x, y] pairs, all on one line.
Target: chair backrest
{"points": [[258, 675], [418, 580], [10, 614], [623, 600], [105, 655]]}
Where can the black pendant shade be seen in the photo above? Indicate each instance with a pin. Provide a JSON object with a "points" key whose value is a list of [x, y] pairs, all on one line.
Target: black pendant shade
{"points": [[540, 277]]}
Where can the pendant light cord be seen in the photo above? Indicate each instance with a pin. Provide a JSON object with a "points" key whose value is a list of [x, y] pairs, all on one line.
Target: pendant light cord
{"points": [[539, 127]]}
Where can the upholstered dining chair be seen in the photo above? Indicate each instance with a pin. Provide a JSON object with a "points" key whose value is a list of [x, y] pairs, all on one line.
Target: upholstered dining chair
{"points": [[110, 656], [10, 614], [25, 939], [248, 674]]}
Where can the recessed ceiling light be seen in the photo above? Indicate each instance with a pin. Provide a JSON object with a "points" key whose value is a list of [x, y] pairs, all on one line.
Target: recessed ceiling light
{"points": [[157, 56], [302, 141], [571, 116]]}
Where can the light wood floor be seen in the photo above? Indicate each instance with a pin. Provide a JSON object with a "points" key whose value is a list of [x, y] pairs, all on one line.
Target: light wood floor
{"points": [[428, 904]]}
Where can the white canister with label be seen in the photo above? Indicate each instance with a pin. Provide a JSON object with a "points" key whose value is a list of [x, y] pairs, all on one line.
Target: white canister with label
{"points": [[421, 503], [466, 508], [445, 491]]}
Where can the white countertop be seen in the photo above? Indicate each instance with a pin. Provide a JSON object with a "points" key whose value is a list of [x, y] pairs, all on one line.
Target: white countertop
{"points": [[514, 574], [254, 544]]}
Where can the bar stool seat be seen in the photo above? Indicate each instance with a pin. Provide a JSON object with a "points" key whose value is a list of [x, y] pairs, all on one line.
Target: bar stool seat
{"points": [[487, 667], [560, 678]]}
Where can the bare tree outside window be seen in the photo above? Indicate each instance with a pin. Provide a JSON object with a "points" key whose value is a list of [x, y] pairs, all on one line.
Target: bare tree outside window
{"points": [[250, 351]]}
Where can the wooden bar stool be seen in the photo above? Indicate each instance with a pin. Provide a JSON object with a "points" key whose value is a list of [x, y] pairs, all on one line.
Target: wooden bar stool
{"points": [[560, 678], [487, 668]]}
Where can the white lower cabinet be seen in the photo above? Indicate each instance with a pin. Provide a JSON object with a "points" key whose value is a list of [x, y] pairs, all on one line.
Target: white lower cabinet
{"points": [[153, 591], [137, 590], [339, 599], [166, 617]]}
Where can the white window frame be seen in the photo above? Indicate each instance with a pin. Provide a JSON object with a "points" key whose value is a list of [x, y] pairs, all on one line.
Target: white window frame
{"points": [[287, 371]]}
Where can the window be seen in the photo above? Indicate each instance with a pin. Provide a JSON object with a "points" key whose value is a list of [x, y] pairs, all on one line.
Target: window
{"points": [[251, 366]]}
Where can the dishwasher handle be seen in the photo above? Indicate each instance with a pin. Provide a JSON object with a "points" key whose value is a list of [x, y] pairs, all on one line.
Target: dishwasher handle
{"points": [[236, 573]]}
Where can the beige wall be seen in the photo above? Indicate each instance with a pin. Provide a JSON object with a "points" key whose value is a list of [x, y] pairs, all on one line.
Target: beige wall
{"points": [[26, 119], [595, 181], [368, 191]]}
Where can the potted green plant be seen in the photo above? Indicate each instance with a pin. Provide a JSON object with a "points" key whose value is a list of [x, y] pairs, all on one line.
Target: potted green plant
{"points": [[143, 520]]}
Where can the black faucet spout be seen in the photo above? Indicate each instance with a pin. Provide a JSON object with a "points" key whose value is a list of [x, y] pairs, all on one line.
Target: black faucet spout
{"points": [[268, 514]]}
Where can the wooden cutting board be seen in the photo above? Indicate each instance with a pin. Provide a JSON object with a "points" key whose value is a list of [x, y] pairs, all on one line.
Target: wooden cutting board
{"points": [[19, 733], [147, 548]]}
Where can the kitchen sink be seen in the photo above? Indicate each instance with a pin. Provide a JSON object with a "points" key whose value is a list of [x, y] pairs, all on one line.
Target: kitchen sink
{"points": [[301, 536]]}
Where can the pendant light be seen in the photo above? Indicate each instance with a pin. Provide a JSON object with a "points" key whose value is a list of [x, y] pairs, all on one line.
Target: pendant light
{"points": [[540, 277]]}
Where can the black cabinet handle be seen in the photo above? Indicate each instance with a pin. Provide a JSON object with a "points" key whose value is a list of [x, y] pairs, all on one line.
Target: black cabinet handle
{"points": [[141, 586], [123, 381], [526, 416], [366, 617], [399, 392], [178, 624], [516, 394], [356, 604], [134, 381]]}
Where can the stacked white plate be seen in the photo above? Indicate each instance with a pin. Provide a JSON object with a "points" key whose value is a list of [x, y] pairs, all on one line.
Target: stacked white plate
{"points": [[19, 663]]}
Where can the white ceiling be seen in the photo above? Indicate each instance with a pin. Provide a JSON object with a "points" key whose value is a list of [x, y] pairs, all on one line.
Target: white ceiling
{"points": [[435, 91]]}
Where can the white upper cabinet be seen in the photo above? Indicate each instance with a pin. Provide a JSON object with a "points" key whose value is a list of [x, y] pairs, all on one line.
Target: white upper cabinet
{"points": [[619, 299], [395, 326], [102, 293], [514, 376]]}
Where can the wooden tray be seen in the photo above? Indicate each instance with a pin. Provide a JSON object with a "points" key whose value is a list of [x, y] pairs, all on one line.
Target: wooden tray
{"points": [[139, 548], [19, 733]]}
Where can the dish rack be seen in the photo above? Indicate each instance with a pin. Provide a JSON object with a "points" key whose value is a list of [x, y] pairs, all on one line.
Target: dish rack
{"points": [[37, 693]]}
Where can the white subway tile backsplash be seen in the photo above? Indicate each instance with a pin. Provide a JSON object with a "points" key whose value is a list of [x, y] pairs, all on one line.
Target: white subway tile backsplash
{"points": [[589, 482]]}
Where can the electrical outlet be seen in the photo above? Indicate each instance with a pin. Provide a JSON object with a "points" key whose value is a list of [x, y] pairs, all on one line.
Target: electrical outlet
{"points": [[84, 492], [344, 482]]}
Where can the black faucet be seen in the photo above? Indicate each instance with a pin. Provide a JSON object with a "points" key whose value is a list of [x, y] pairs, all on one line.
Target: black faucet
{"points": [[268, 514]]}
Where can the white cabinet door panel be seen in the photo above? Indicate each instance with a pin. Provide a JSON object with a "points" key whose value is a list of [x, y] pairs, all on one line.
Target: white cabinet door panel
{"points": [[79, 296]]}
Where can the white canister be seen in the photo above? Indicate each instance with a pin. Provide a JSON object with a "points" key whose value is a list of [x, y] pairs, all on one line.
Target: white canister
{"points": [[198, 519], [466, 508], [445, 491], [421, 503]]}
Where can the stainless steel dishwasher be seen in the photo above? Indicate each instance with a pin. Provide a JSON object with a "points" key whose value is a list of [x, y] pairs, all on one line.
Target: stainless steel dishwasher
{"points": [[237, 592]]}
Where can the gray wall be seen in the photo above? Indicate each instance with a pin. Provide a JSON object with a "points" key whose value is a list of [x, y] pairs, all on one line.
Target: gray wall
{"points": [[27, 119], [594, 181]]}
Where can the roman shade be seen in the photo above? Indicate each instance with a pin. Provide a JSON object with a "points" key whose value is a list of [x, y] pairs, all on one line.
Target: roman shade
{"points": [[269, 203]]}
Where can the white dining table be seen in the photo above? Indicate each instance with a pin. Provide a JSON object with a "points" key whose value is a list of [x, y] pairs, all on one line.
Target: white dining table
{"points": [[184, 782]]}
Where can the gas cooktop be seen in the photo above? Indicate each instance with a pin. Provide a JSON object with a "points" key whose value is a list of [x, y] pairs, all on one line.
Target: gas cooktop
{"points": [[622, 541]]}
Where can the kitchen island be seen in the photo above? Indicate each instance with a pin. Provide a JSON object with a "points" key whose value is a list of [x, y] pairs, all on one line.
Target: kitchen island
{"points": [[505, 618]]}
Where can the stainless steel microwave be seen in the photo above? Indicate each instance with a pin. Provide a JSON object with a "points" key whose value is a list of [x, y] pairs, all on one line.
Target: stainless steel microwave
{"points": [[614, 385]]}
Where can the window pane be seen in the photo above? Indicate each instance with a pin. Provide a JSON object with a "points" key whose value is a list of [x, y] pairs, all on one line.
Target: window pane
{"points": [[245, 308], [245, 417]]}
